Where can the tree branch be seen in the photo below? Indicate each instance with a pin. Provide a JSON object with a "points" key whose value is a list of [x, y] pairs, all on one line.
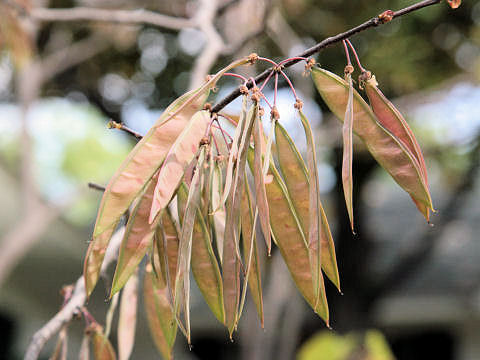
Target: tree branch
{"points": [[323, 44], [68, 312], [112, 16]]}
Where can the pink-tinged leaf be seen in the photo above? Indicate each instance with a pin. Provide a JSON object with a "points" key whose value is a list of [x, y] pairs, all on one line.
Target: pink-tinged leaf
{"points": [[392, 120], [180, 155], [137, 239], [259, 178], [60, 352], [231, 259], [217, 218], [182, 280], [166, 247], [127, 318], [204, 264], [102, 349], [250, 251], [302, 186], [84, 353], [454, 3], [159, 312], [347, 132], [131, 178], [234, 149], [389, 152], [291, 241]]}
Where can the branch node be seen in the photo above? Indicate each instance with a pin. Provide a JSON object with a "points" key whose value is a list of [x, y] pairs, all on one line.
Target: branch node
{"points": [[386, 16]]}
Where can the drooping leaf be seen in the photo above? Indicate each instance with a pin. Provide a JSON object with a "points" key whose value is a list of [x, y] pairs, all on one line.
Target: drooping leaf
{"points": [[291, 240], [231, 253], [182, 280], [234, 149], [217, 216], [13, 36], [102, 348], [204, 264], [137, 239], [382, 144], [392, 120], [160, 316], [140, 165], [347, 132], [179, 156], [250, 251], [302, 186], [259, 178], [166, 247], [127, 318]]}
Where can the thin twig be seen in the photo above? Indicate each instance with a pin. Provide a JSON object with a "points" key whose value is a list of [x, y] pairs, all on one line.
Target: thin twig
{"points": [[96, 186], [71, 308], [323, 44], [111, 16]]}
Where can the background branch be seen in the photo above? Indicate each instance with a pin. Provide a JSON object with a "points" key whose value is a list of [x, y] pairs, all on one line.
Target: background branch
{"points": [[70, 310], [111, 16]]}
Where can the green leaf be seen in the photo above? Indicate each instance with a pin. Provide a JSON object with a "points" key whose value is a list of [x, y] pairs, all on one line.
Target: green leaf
{"points": [[182, 280], [160, 316], [291, 240], [204, 264], [137, 239], [347, 132]]}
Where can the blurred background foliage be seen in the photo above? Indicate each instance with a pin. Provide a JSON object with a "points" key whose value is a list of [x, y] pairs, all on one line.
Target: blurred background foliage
{"points": [[428, 62]]}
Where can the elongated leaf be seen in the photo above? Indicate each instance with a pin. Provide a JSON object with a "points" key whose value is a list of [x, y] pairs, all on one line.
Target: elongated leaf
{"points": [[204, 264], [102, 348], [291, 240], [262, 203], [160, 316], [180, 155], [166, 246], [182, 280], [250, 251], [389, 116], [301, 185], [382, 144], [137, 239], [127, 318], [234, 149], [347, 131], [231, 253], [217, 217]]}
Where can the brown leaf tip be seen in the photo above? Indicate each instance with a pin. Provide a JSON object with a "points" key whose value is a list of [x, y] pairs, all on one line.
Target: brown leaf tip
{"points": [[386, 16], [298, 104], [454, 3], [252, 58]]}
